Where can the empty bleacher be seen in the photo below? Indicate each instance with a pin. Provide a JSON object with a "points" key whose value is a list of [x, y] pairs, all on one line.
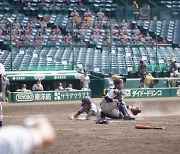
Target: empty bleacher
{"points": [[120, 60]]}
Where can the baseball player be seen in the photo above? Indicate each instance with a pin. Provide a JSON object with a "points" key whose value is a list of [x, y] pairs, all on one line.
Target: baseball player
{"points": [[23, 88], [5, 84], [38, 86], [1, 117], [2, 73], [90, 108], [113, 105], [85, 80], [37, 133], [60, 87]]}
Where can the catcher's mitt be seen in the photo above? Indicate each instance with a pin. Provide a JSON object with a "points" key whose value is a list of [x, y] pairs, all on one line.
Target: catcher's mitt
{"points": [[135, 111]]}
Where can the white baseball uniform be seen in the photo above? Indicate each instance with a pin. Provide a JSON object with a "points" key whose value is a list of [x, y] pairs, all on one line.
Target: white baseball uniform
{"points": [[85, 80], [1, 116], [18, 140], [94, 110]]}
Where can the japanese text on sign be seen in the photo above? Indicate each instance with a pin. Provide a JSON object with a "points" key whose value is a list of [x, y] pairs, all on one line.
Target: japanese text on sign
{"points": [[42, 96], [146, 93], [69, 95]]}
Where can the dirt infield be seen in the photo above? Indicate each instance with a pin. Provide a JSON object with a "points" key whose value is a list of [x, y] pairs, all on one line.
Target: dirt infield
{"points": [[86, 137]]}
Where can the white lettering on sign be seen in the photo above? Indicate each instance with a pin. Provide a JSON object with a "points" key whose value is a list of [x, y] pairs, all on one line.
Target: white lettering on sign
{"points": [[78, 76], [69, 95], [39, 77], [57, 77], [21, 97], [178, 92], [144, 93], [42, 96], [127, 93], [18, 78]]}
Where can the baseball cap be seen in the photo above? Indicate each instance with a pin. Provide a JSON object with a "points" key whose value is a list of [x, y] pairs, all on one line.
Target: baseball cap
{"points": [[23, 85], [86, 101], [69, 85], [60, 84], [118, 81], [85, 70]]}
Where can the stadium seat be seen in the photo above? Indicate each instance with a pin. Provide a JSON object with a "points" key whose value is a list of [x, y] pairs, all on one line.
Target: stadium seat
{"points": [[97, 61]]}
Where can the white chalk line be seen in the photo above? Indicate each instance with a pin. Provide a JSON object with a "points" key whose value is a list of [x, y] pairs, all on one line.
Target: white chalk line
{"points": [[66, 129], [122, 121], [72, 122], [147, 122]]}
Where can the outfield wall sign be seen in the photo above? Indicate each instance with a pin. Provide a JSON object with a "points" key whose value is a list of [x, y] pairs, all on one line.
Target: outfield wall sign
{"points": [[43, 75], [143, 93], [151, 92], [175, 92], [49, 96]]}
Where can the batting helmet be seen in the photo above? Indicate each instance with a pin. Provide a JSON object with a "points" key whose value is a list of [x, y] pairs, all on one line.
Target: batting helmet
{"points": [[86, 101]]}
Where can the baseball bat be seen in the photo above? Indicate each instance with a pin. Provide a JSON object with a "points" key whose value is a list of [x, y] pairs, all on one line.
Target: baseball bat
{"points": [[147, 127]]}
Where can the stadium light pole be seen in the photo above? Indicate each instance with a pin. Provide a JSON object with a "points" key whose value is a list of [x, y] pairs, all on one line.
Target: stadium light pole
{"points": [[155, 18], [11, 23]]}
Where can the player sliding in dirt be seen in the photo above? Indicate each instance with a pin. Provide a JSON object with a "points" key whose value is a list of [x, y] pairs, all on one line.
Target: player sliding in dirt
{"points": [[113, 105], [90, 108]]}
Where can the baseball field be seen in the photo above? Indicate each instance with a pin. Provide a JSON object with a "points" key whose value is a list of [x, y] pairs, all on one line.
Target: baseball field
{"points": [[86, 137]]}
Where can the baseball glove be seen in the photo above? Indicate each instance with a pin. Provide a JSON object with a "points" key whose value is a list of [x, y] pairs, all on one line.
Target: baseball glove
{"points": [[135, 111]]}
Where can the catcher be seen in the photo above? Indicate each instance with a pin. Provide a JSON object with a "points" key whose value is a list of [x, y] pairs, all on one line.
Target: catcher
{"points": [[113, 105]]}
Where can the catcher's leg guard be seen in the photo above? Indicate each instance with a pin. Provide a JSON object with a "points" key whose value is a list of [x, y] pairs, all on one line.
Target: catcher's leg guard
{"points": [[128, 117], [103, 116], [121, 116], [123, 108], [0, 123]]}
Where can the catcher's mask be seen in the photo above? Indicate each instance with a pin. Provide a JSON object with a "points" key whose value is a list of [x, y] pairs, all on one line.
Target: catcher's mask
{"points": [[86, 101]]}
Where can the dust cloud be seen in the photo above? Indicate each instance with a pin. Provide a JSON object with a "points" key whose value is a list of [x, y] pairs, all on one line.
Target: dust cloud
{"points": [[154, 108]]}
